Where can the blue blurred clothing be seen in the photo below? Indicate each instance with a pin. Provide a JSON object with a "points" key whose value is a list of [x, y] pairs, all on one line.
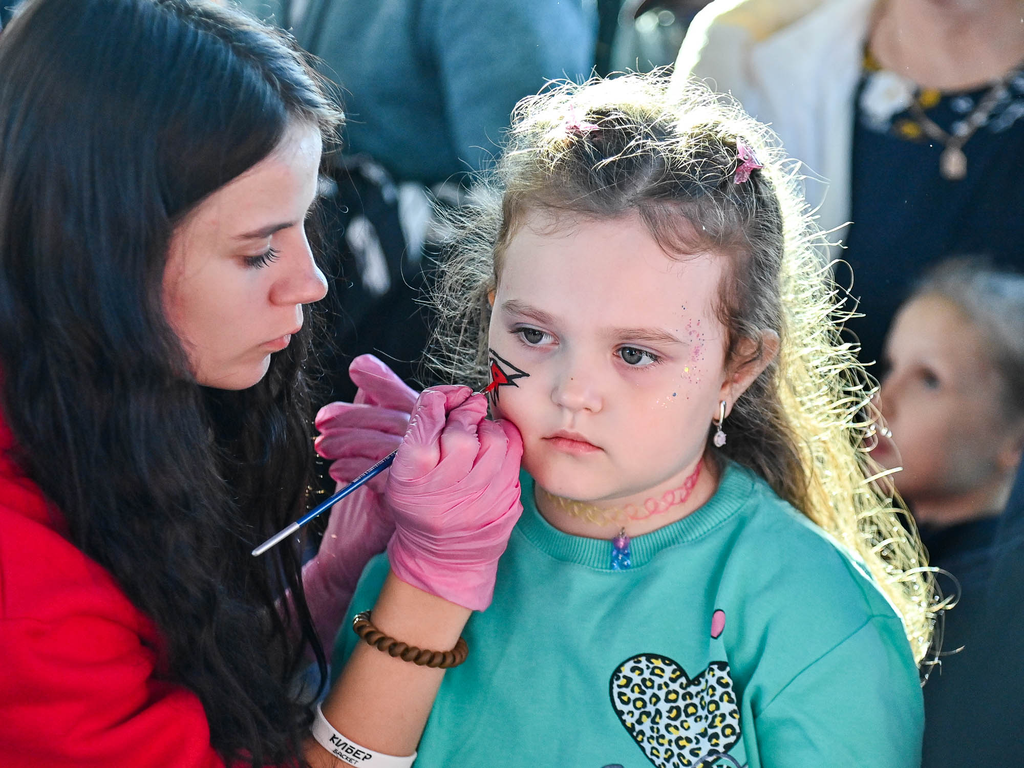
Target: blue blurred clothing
{"points": [[974, 712], [429, 85]]}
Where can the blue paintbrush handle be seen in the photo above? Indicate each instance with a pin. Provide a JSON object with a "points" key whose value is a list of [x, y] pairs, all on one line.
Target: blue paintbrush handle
{"points": [[372, 472], [280, 536]]}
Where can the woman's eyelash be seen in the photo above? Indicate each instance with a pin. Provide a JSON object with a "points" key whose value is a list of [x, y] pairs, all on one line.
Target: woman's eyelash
{"points": [[258, 262]]}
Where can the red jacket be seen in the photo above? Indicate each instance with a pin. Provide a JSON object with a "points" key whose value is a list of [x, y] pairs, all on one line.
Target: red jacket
{"points": [[79, 670]]}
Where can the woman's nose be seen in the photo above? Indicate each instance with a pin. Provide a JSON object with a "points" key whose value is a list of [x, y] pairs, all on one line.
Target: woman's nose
{"points": [[301, 282]]}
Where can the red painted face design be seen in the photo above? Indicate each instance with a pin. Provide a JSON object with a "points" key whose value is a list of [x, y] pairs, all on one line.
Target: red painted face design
{"points": [[503, 374]]}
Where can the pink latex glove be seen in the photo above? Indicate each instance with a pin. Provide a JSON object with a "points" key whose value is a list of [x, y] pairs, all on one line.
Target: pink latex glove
{"points": [[356, 435], [329, 579], [454, 493]]}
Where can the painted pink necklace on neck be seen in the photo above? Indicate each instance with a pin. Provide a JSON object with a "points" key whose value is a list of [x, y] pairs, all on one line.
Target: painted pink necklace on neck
{"points": [[656, 505], [620, 556]]}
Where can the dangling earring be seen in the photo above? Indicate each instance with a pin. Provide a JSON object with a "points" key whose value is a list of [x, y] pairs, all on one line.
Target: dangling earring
{"points": [[719, 438]]}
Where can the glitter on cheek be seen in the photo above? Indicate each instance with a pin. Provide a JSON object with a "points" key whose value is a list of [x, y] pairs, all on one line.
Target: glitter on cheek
{"points": [[698, 343]]}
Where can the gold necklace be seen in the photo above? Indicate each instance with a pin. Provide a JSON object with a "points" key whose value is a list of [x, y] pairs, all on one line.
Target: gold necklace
{"points": [[631, 512], [953, 161]]}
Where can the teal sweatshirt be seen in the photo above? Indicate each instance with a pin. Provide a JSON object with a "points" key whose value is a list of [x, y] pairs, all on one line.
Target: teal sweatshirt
{"points": [[742, 635]]}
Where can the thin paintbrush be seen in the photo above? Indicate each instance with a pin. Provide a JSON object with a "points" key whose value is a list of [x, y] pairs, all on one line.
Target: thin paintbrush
{"points": [[280, 536], [369, 474]]}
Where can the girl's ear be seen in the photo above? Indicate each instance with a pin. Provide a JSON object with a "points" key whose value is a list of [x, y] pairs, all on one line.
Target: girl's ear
{"points": [[490, 297], [746, 365]]}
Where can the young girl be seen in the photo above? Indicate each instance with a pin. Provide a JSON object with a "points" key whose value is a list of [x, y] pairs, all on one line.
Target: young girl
{"points": [[703, 575]]}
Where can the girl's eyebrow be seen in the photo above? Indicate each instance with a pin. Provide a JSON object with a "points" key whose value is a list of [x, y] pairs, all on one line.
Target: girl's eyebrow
{"points": [[516, 307], [650, 335]]}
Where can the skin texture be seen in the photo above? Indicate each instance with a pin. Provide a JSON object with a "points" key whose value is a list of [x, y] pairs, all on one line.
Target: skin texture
{"points": [[948, 44], [943, 401], [233, 290], [624, 352]]}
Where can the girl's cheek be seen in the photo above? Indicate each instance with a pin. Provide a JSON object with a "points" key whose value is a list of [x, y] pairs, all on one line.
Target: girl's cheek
{"points": [[511, 407], [691, 373], [507, 380]]}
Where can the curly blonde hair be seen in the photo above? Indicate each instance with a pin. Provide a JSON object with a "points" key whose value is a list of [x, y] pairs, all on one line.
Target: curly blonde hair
{"points": [[619, 147]]}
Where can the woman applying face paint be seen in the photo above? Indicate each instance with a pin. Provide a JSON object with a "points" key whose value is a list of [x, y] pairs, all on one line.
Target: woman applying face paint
{"points": [[158, 160]]}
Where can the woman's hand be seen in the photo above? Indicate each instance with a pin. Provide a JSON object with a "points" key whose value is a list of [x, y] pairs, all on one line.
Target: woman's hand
{"points": [[454, 493], [356, 436]]}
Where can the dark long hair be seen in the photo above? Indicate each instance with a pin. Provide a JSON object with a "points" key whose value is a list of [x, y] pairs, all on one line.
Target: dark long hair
{"points": [[117, 117]]}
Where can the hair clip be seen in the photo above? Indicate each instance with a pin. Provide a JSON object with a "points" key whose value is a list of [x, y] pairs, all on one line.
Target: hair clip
{"points": [[576, 127], [748, 163]]}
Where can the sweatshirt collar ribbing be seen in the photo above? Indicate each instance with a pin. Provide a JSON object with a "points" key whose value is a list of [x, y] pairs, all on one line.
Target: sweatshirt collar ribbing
{"points": [[734, 490]]}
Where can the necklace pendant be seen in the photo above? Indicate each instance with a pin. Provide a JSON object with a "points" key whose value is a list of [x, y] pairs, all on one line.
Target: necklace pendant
{"points": [[953, 164], [620, 552]]}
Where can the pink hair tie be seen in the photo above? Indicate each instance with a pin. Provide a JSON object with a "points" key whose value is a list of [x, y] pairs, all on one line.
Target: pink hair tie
{"points": [[748, 162], [576, 127]]}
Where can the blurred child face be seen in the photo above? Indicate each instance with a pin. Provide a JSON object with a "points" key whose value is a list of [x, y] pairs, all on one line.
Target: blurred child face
{"points": [[942, 399], [239, 268], [624, 359]]}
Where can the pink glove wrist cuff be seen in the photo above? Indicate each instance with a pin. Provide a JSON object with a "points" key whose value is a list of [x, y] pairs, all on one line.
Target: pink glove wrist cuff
{"points": [[471, 586]]}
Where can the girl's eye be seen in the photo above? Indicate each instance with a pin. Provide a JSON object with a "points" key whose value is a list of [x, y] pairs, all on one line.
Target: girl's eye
{"points": [[638, 358], [531, 335], [258, 262]]}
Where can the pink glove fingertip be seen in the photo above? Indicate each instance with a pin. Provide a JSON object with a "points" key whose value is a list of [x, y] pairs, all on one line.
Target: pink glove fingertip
{"points": [[455, 395], [328, 413], [379, 385]]}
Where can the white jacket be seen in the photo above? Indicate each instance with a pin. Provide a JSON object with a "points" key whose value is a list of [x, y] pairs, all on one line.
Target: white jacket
{"points": [[795, 65]]}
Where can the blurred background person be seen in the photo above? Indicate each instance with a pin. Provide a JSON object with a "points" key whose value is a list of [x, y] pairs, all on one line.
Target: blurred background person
{"points": [[953, 399], [429, 88], [647, 34], [909, 111]]}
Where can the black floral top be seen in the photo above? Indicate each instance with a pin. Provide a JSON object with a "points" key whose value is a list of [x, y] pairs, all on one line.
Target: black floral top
{"points": [[906, 215]]}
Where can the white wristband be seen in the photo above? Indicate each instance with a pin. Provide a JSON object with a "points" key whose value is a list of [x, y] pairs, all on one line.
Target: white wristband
{"points": [[347, 750]]}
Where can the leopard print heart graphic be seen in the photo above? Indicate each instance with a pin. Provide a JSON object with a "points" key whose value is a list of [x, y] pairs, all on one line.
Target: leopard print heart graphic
{"points": [[678, 722]]}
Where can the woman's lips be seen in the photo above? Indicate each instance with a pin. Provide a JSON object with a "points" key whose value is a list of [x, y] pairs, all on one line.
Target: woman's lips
{"points": [[279, 343]]}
